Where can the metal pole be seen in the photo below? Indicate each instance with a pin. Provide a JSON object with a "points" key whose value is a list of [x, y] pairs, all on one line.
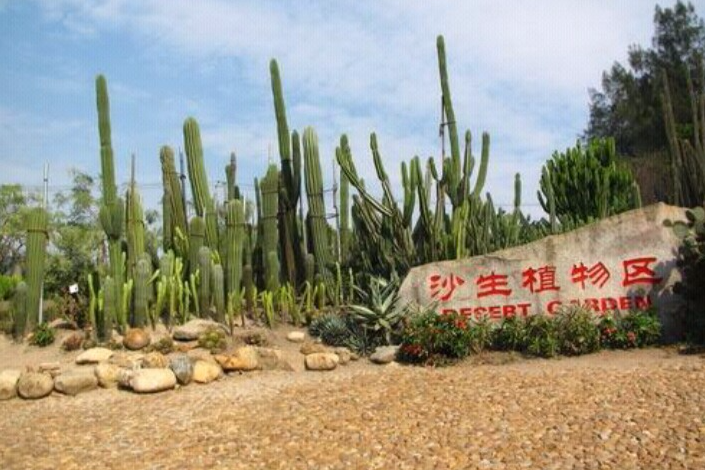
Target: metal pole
{"points": [[45, 200], [183, 182]]}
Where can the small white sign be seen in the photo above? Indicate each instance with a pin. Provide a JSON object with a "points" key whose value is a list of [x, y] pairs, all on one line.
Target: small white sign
{"points": [[73, 289]]}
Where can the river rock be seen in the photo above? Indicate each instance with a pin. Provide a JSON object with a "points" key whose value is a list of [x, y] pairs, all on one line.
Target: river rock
{"points": [[34, 385], [127, 360], [309, 347], [206, 372], [322, 361], [124, 377], [155, 360], [272, 359], [51, 368], [8, 383], [343, 354], [94, 356], [191, 330], [152, 380], [74, 381], [624, 262], [182, 367], [296, 336], [384, 354], [136, 339], [107, 374], [243, 359]]}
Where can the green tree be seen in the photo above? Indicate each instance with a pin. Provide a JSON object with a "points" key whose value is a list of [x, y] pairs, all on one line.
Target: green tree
{"points": [[14, 204], [76, 238], [628, 106]]}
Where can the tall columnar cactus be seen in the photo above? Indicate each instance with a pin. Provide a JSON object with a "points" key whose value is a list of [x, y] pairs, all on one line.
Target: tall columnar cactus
{"points": [[197, 234], [290, 184], [19, 307], [345, 232], [316, 208], [112, 210], [448, 110], [143, 273], [134, 223], [218, 289], [272, 281], [235, 231], [202, 199], [270, 208], [111, 304], [249, 285], [204, 285], [687, 155], [178, 224], [36, 253], [231, 178]]}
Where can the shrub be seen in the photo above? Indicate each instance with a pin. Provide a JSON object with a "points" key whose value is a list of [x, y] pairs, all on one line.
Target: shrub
{"points": [[481, 333], [635, 329], [343, 330], [541, 336], [43, 335], [433, 338], [510, 334], [7, 286], [577, 331]]}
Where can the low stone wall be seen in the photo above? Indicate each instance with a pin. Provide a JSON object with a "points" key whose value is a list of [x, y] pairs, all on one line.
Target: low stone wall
{"points": [[624, 262]]}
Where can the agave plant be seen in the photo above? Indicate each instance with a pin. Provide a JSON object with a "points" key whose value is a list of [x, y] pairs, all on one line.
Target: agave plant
{"points": [[378, 312]]}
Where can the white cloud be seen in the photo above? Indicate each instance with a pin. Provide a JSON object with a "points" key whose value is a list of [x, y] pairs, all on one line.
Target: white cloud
{"points": [[519, 70]]}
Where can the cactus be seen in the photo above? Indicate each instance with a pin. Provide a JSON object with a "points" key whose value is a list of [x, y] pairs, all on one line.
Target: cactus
{"points": [[218, 288], [143, 272], [134, 222], [316, 207], [587, 183], [172, 199], [197, 234], [203, 202], [19, 306], [112, 210], [272, 281], [687, 155], [204, 286], [345, 232], [248, 282], [231, 178], [290, 184], [111, 303], [37, 237], [235, 222], [270, 235]]}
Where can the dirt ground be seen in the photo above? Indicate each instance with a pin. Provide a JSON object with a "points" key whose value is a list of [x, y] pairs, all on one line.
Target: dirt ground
{"points": [[617, 409]]}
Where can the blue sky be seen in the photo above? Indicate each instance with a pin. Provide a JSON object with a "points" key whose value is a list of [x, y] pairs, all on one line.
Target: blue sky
{"points": [[518, 70]]}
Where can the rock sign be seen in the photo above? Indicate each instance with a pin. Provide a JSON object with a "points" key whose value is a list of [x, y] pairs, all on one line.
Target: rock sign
{"points": [[625, 262]]}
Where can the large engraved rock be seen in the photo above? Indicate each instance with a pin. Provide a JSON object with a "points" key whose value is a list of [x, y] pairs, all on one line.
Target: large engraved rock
{"points": [[624, 262]]}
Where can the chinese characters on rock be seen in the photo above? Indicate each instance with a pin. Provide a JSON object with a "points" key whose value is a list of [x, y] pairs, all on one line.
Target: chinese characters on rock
{"points": [[539, 279]]}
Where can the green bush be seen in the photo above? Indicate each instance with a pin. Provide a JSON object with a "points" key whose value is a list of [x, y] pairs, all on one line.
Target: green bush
{"points": [[213, 339], [510, 335], [344, 330], [541, 336], [43, 335], [577, 331], [635, 329], [7, 286], [433, 338]]}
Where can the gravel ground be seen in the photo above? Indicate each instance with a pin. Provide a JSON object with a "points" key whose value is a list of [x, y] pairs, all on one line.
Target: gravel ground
{"points": [[613, 410]]}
